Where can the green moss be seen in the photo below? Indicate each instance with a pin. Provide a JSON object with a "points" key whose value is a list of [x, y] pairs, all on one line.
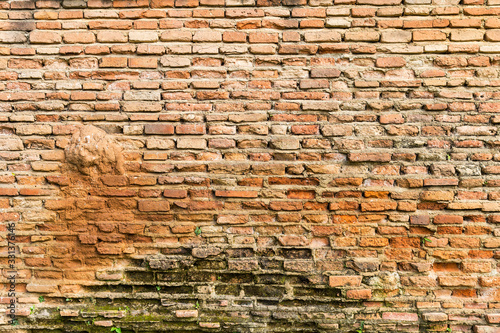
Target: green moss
{"points": [[132, 318]]}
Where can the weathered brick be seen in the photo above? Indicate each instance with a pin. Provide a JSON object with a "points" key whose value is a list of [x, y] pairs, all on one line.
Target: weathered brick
{"points": [[153, 206], [45, 37], [322, 36], [207, 36], [191, 143], [79, 37], [325, 72], [435, 316], [12, 37], [466, 35], [362, 36], [437, 195], [400, 316], [396, 36], [390, 62], [428, 35], [112, 36]]}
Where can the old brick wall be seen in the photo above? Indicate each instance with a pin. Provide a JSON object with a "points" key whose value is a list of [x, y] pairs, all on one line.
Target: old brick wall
{"points": [[250, 165]]}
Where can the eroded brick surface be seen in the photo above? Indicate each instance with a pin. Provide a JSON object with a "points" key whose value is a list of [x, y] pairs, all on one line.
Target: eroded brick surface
{"points": [[250, 165]]}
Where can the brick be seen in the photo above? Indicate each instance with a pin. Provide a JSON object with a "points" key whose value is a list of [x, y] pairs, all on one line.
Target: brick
{"points": [[448, 219], [174, 193], [362, 36], [396, 36], [113, 62], [260, 37], [112, 36], [325, 72], [485, 329], [359, 294], [400, 316], [308, 12], [234, 37], [207, 36], [12, 37], [162, 129], [153, 206], [176, 36], [493, 318], [492, 35], [190, 143], [142, 62], [437, 196], [236, 194], [79, 37], [186, 313], [451, 281], [466, 35], [435, 316], [343, 281], [369, 157], [45, 37], [391, 119], [428, 35], [390, 62], [286, 143], [190, 129], [322, 36], [142, 36]]}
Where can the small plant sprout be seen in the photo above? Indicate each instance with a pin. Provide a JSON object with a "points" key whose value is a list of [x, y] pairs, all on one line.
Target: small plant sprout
{"points": [[197, 305], [448, 329], [116, 329], [197, 231], [361, 328], [158, 288], [32, 309], [41, 299], [425, 239]]}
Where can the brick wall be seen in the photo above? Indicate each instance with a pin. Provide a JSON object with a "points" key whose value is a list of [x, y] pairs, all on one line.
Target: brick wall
{"points": [[250, 165]]}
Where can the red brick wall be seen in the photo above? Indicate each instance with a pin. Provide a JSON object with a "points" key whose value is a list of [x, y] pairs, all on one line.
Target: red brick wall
{"points": [[250, 165]]}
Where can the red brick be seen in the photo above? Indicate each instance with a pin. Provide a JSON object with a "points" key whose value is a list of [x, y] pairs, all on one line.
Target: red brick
{"points": [[400, 316], [428, 35], [162, 129], [236, 194], [142, 62], [359, 294], [154, 206], [113, 62], [79, 37], [190, 129], [448, 219], [390, 62]]}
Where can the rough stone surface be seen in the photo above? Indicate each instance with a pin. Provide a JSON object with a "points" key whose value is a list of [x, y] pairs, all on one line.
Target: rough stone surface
{"points": [[91, 148]]}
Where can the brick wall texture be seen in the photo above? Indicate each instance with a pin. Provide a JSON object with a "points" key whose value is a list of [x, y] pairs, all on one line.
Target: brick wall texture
{"points": [[250, 165]]}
